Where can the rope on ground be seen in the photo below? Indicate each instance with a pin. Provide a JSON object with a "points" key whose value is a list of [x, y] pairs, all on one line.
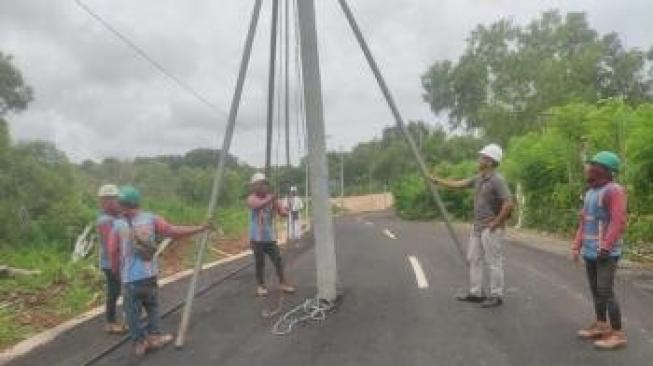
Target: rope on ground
{"points": [[312, 310]]}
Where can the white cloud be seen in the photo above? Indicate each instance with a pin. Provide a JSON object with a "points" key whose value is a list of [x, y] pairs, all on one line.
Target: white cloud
{"points": [[95, 97]]}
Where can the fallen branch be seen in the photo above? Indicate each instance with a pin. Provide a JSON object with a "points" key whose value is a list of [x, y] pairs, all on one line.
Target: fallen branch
{"points": [[83, 244], [6, 271], [163, 246]]}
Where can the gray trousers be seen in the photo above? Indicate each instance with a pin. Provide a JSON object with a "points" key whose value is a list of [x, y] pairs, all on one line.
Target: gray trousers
{"points": [[271, 249], [601, 274], [485, 255]]}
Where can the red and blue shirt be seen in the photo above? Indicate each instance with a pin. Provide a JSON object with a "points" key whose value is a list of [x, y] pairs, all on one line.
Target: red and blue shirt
{"points": [[603, 221], [129, 264], [104, 225]]}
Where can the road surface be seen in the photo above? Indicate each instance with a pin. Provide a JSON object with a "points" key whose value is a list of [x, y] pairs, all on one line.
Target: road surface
{"points": [[398, 280]]}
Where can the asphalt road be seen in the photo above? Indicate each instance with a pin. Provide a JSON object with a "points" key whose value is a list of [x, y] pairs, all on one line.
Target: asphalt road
{"points": [[390, 314]]}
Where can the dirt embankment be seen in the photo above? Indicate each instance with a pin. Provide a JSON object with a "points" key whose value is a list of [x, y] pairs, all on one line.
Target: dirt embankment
{"points": [[181, 255]]}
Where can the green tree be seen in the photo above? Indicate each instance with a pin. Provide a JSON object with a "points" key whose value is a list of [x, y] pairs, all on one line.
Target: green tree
{"points": [[14, 93], [510, 74]]}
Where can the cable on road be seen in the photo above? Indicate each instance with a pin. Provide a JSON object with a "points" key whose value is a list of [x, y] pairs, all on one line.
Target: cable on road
{"points": [[312, 310], [168, 312]]}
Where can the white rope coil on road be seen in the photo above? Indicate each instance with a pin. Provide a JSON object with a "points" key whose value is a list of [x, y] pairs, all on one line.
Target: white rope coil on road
{"points": [[311, 310]]}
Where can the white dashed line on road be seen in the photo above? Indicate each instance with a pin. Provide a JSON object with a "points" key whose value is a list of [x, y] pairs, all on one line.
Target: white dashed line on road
{"points": [[419, 273], [389, 234]]}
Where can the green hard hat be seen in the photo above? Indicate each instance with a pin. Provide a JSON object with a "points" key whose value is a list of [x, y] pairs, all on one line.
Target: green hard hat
{"points": [[607, 159], [129, 195]]}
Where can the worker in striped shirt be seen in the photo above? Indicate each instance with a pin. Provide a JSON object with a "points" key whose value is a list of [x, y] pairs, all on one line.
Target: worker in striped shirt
{"points": [[264, 207]]}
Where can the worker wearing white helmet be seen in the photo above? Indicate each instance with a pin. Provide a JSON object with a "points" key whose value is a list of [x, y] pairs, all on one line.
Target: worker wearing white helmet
{"points": [[109, 212], [492, 206], [264, 207], [294, 204]]}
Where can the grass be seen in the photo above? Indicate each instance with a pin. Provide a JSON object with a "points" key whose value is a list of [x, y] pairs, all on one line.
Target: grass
{"points": [[33, 303], [231, 220]]}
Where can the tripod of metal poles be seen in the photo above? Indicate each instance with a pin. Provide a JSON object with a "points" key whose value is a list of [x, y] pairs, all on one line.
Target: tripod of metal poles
{"points": [[316, 144]]}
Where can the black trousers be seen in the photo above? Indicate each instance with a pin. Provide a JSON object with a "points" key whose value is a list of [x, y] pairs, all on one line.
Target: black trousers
{"points": [[271, 249], [601, 273], [113, 293]]}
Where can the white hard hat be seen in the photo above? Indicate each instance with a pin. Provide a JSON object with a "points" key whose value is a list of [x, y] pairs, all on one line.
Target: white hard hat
{"points": [[492, 151], [257, 177], [108, 190]]}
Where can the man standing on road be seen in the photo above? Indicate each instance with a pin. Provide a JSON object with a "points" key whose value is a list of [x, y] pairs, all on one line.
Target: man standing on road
{"points": [[492, 206], [109, 212], [294, 205], [131, 248], [264, 206], [599, 239]]}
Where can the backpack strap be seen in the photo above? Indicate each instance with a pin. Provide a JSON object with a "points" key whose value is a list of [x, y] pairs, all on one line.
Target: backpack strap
{"points": [[603, 190]]}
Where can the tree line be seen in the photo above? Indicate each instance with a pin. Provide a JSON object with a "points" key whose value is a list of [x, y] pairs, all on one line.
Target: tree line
{"points": [[551, 92]]}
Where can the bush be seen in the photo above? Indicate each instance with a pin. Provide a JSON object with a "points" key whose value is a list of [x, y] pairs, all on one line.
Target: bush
{"points": [[413, 199], [549, 164]]}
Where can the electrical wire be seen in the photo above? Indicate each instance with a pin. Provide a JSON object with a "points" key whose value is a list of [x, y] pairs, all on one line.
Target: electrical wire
{"points": [[157, 65]]}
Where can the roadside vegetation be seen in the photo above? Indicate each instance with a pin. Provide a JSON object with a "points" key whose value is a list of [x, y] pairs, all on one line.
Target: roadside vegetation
{"points": [[553, 93], [46, 201]]}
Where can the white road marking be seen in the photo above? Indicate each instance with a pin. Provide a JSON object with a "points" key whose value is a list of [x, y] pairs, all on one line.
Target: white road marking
{"points": [[369, 223], [389, 234], [419, 273]]}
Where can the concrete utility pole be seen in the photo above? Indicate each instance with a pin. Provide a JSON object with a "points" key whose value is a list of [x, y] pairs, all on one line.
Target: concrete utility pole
{"points": [[273, 59], [319, 177], [342, 178]]}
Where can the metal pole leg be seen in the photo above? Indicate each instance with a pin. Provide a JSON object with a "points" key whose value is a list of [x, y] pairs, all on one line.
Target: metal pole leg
{"points": [[401, 124], [219, 173], [271, 83]]}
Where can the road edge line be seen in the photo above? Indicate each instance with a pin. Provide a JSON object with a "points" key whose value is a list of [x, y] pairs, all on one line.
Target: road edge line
{"points": [[40, 339]]}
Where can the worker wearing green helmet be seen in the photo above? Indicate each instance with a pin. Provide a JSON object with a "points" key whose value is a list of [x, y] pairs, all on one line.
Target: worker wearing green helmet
{"points": [[599, 241], [132, 249], [608, 160], [129, 196]]}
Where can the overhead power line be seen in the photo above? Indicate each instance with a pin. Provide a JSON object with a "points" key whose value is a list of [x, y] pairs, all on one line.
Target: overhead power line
{"points": [[180, 83]]}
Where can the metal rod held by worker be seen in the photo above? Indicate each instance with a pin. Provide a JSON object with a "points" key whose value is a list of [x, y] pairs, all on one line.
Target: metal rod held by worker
{"points": [[400, 123], [325, 253], [219, 173], [271, 82]]}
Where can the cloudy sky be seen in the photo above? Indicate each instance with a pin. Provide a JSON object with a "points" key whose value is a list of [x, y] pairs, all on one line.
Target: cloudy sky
{"points": [[95, 97]]}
